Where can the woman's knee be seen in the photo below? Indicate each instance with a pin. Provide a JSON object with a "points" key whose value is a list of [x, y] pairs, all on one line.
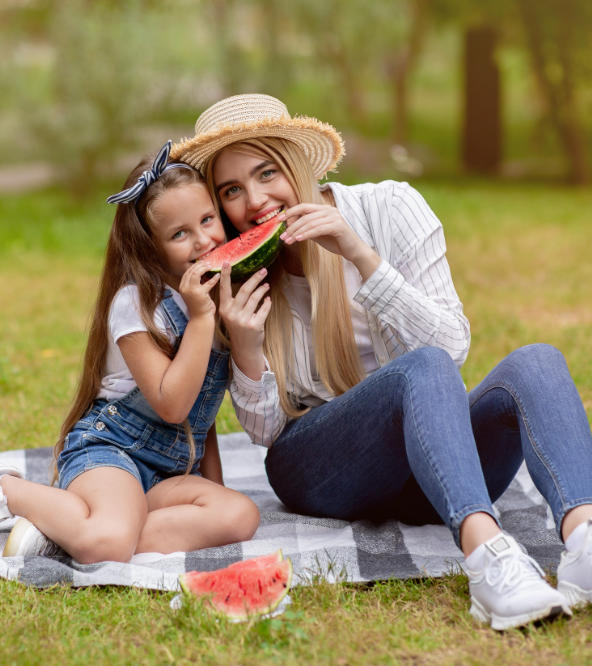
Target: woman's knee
{"points": [[428, 369], [537, 353], [536, 363], [428, 360]]}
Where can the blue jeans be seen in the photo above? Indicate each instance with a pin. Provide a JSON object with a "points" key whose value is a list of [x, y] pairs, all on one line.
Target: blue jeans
{"points": [[409, 443]]}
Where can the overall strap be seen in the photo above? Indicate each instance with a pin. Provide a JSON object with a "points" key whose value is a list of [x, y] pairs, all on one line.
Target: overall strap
{"points": [[174, 314]]}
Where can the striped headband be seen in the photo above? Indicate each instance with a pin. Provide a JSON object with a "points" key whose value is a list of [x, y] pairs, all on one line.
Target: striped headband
{"points": [[159, 166]]}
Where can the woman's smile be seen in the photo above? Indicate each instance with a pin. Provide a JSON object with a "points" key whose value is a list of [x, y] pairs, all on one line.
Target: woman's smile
{"points": [[267, 215]]}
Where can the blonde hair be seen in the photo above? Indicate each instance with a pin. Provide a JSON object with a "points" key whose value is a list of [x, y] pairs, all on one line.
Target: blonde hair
{"points": [[336, 354], [132, 256]]}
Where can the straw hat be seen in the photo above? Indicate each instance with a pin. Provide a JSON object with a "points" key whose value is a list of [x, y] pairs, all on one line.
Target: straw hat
{"points": [[244, 117]]}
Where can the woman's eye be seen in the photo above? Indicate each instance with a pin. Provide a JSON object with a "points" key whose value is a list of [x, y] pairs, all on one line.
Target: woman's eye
{"points": [[231, 191], [267, 173]]}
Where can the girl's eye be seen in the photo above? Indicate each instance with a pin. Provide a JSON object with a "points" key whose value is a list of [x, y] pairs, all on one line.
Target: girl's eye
{"points": [[267, 173], [207, 219], [179, 234]]}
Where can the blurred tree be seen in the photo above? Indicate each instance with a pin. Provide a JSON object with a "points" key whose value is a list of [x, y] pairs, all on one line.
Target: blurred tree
{"points": [[89, 76], [399, 61], [339, 35], [273, 26], [558, 38], [231, 57], [99, 89], [362, 45], [556, 35]]}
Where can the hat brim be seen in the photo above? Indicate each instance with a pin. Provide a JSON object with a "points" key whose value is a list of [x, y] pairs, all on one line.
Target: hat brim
{"points": [[321, 142]]}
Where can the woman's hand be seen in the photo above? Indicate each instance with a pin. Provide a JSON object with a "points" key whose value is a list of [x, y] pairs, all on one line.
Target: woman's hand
{"points": [[325, 225], [244, 316], [196, 293]]}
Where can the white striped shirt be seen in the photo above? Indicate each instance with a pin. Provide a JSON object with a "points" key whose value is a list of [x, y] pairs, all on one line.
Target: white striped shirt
{"points": [[410, 300]]}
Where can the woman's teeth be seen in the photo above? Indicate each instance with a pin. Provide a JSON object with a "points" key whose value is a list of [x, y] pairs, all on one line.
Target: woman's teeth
{"points": [[269, 216]]}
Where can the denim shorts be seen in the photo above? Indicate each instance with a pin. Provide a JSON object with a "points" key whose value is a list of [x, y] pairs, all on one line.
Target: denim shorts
{"points": [[111, 436]]}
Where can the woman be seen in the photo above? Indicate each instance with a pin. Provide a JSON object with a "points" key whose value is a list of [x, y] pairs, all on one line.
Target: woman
{"points": [[346, 364]]}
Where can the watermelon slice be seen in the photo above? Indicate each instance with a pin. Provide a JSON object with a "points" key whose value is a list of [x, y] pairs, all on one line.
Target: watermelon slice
{"points": [[243, 589], [252, 250]]}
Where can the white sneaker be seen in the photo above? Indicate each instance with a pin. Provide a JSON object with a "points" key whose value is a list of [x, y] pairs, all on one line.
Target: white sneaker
{"points": [[5, 512], [574, 573], [509, 589], [26, 540]]}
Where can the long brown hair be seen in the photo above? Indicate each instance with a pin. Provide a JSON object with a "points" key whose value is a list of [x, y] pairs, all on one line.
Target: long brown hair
{"points": [[337, 357], [132, 256]]}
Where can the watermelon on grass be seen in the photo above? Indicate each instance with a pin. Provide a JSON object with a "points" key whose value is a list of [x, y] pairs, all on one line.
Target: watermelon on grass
{"points": [[243, 589], [253, 249]]}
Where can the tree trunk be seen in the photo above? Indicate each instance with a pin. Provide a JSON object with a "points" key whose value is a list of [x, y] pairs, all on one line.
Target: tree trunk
{"points": [[482, 126]]}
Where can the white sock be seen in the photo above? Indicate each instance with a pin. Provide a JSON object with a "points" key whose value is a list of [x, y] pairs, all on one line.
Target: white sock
{"points": [[575, 540]]}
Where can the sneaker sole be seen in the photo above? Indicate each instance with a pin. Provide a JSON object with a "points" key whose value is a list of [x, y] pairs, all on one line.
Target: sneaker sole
{"points": [[576, 597], [500, 623], [16, 538]]}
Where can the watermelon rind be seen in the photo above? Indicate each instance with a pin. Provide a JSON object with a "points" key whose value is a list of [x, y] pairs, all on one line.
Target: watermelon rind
{"points": [[259, 257], [243, 590]]}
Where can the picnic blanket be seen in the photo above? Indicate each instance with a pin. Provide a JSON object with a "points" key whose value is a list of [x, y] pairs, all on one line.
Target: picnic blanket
{"points": [[336, 550]]}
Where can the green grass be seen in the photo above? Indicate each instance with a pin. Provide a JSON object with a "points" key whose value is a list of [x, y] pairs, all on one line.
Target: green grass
{"points": [[520, 259]]}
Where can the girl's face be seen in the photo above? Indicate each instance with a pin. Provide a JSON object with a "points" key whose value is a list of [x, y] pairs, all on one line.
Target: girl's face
{"points": [[186, 226], [252, 189]]}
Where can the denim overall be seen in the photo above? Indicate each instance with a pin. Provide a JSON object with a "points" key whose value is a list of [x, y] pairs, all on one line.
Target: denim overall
{"points": [[127, 433]]}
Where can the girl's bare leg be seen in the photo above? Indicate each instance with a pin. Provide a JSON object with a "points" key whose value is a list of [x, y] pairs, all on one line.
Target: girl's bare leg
{"points": [[104, 514], [189, 512], [99, 517]]}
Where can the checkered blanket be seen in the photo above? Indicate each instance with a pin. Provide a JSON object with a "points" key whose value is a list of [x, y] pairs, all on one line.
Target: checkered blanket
{"points": [[334, 549]]}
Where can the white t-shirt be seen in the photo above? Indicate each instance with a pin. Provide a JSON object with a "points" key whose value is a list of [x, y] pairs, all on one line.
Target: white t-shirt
{"points": [[297, 292], [125, 318]]}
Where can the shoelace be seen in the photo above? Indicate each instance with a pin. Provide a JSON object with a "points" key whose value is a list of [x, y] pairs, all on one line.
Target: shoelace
{"points": [[507, 571]]}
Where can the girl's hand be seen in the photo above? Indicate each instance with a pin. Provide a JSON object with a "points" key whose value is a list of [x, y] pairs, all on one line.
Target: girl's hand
{"points": [[325, 225], [244, 315], [197, 294]]}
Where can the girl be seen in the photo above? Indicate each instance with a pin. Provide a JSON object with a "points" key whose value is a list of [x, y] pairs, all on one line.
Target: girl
{"points": [[142, 426], [348, 370]]}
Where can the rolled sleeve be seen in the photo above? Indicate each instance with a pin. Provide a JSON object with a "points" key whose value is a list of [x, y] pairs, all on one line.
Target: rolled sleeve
{"points": [[257, 405]]}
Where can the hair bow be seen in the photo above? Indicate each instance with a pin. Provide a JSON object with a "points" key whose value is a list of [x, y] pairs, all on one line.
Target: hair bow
{"points": [[159, 166]]}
